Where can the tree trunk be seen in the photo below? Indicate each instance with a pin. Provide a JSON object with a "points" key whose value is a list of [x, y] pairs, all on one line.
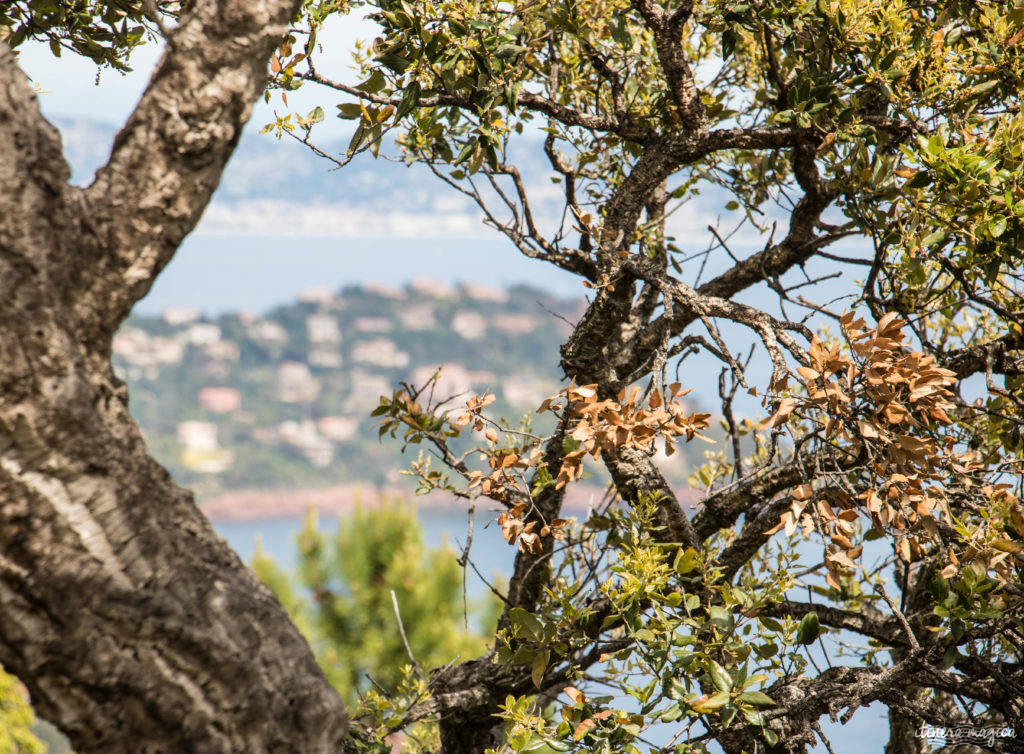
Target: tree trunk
{"points": [[134, 626]]}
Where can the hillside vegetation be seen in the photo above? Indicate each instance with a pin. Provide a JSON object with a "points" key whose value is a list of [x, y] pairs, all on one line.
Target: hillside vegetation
{"points": [[283, 400]]}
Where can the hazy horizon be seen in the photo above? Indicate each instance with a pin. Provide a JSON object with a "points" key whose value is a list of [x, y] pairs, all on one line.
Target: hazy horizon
{"points": [[221, 273]]}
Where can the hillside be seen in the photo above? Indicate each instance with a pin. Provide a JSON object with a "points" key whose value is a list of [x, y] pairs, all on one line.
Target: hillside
{"points": [[281, 401]]}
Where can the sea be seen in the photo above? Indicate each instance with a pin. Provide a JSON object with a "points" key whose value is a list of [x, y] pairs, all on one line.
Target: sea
{"points": [[441, 528]]}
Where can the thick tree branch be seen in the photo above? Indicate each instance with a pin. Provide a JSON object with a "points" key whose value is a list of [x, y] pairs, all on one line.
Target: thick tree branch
{"points": [[1003, 354], [168, 158], [721, 509], [868, 622], [134, 626], [636, 476], [668, 38]]}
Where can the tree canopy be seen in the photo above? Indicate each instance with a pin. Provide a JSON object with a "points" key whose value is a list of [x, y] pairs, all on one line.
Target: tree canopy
{"points": [[104, 32], [858, 535], [373, 600], [873, 151]]}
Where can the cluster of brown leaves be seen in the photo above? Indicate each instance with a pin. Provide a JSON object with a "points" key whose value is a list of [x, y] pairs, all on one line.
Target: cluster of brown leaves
{"points": [[841, 553], [905, 389], [603, 425], [881, 402], [508, 469], [528, 533], [507, 465], [471, 415], [596, 426]]}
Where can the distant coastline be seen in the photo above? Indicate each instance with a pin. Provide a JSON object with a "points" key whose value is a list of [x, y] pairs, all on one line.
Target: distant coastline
{"points": [[258, 505]]}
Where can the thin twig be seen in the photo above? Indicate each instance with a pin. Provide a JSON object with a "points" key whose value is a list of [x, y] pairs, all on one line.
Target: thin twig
{"points": [[401, 630], [880, 590]]}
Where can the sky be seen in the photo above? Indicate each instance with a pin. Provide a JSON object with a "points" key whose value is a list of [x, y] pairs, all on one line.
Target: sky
{"points": [[217, 271]]}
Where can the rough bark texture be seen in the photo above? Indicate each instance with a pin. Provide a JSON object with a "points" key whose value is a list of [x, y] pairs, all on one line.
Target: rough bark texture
{"points": [[134, 626]]}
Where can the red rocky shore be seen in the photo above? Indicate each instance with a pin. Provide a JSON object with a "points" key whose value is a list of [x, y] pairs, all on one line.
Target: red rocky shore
{"points": [[253, 505]]}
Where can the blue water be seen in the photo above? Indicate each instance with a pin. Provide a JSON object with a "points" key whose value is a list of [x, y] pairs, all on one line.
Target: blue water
{"points": [[491, 554], [229, 272]]}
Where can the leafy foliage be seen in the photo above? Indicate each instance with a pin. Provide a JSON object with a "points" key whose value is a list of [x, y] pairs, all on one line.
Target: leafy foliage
{"points": [[896, 123], [892, 128], [16, 718], [104, 32]]}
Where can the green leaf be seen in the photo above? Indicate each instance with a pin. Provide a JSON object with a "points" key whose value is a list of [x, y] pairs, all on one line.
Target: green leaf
{"points": [[350, 110], [676, 689], [509, 51], [957, 627], [410, 98], [729, 40], [543, 745], [720, 677], [396, 63], [740, 679], [721, 618], [527, 620], [757, 698], [921, 179], [357, 138], [644, 635], [752, 716], [997, 226], [986, 86], [770, 623], [809, 629], [950, 657], [939, 588], [717, 701], [540, 664], [375, 140], [620, 30], [464, 154], [685, 560], [728, 714], [673, 599], [672, 714], [374, 84]]}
